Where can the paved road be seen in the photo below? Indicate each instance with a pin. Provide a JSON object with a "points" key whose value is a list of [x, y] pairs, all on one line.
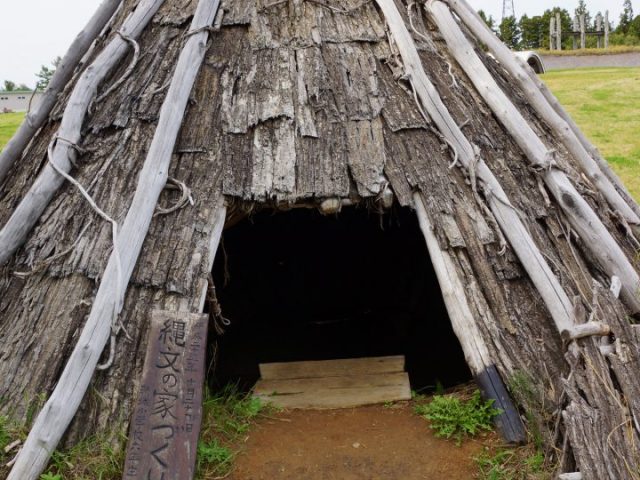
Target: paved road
{"points": [[617, 60]]}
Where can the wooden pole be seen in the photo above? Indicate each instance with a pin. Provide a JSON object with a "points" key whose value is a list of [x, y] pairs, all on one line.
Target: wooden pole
{"points": [[558, 32], [599, 28], [584, 141], [465, 326], [47, 184], [548, 108], [607, 27], [583, 32], [552, 33], [602, 246], [542, 277], [61, 407], [576, 28], [36, 117]]}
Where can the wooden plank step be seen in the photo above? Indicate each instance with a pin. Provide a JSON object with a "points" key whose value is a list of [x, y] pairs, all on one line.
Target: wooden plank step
{"points": [[332, 368], [335, 392]]}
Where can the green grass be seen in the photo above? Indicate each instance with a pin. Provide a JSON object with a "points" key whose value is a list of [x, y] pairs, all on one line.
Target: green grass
{"points": [[227, 418], [9, 123], [451, 416], [605, 103]]}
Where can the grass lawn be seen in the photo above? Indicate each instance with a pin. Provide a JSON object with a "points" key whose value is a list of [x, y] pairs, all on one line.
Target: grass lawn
{"points": [[9, 123], [605, 103]]}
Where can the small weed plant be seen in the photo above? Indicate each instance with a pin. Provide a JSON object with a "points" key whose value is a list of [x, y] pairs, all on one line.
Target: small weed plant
{"points": [[453, 417], [228, 416], [512, 464]]}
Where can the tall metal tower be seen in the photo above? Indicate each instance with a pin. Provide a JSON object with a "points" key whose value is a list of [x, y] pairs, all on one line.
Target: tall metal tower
{"points": [[508, 10]]}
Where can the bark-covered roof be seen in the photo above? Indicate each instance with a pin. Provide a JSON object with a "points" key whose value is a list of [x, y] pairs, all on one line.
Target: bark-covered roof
{"points": [[296, 101]]}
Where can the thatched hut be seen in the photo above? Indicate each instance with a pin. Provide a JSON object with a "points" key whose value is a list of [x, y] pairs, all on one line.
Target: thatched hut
{"points": [[171, 119]]}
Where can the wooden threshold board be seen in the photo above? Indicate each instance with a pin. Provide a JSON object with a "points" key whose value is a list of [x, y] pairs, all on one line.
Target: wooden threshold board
{"points": [[329, 384]]}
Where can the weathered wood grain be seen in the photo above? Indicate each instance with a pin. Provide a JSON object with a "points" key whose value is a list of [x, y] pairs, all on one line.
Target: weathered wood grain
{"points": [[165, 427], [63, 404], [331, 368]]}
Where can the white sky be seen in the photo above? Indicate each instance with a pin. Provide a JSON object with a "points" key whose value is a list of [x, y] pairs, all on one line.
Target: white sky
{"points": [[34, 32]]}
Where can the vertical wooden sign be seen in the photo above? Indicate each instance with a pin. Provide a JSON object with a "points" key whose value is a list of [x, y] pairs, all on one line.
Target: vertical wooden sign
{"points": [[164, 431]]}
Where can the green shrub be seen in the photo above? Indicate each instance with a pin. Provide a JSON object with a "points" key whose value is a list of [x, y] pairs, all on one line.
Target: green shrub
{"points": [[452, 417]]}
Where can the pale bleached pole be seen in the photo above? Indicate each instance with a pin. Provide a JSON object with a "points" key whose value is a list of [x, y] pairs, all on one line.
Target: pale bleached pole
{"points": [[583, 32], [592, 232], [545, 281], [558, 31], [48, 182], [64, 71], [548, 108], [552, 33], [599, 29], [57, 413], [607, 27]]}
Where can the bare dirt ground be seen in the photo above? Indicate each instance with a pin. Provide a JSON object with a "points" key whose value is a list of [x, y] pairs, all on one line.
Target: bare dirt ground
{"points": [[367, 443]]}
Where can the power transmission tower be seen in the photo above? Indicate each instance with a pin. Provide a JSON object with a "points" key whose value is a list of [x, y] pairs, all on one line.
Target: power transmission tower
{"points": [[508, 10]]}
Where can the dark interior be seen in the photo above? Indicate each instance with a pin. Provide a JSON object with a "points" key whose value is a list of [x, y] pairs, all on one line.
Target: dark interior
{"points": [[300, 286]]}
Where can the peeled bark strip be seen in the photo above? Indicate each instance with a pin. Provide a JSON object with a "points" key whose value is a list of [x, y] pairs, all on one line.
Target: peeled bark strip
{"points": [[36, 118], [543, 278], [27, 213], [583, 219], [544, 109], [61, 407]]}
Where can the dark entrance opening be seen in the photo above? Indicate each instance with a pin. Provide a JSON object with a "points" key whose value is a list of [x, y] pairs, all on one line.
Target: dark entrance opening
{"points": [[300, 286]]}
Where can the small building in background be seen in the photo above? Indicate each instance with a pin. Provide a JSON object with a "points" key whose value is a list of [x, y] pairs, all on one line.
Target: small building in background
{"points": [[18, 101]]}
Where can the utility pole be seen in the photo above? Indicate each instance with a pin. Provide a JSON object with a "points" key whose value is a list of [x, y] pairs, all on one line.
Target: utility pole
{"points": [[508, 10]]}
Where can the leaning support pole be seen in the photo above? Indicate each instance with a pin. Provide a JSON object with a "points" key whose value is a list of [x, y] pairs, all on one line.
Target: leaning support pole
{"points": [[582, 218], [465, 326], [36, 118], [61, 407], [543, 278], [551, 116], [27, 213], [589, 147]]}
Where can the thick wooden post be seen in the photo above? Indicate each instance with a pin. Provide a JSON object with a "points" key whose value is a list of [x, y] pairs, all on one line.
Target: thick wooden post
{"points": [[552, 33], [607, 27], [583, 32], [558, 32]]}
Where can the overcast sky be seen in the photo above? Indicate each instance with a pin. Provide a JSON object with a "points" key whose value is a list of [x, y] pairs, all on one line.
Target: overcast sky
{"points": [[34, 32]]}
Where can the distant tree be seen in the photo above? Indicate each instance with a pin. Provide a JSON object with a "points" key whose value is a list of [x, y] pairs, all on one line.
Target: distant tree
{"points": [[510, 32], [46, 73], [23, 86], [626, 17], [533, 32], [634, 27], [491, 23], [9, 86]]}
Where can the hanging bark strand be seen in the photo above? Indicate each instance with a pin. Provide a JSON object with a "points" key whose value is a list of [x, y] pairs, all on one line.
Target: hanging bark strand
{"points": [[536, 266], [582, 218], [36, 118], [61, 407], [564, 131], [27, 213]]}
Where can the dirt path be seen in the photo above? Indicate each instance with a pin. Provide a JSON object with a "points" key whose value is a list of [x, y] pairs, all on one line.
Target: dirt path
{"points": [[366, 443]]}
